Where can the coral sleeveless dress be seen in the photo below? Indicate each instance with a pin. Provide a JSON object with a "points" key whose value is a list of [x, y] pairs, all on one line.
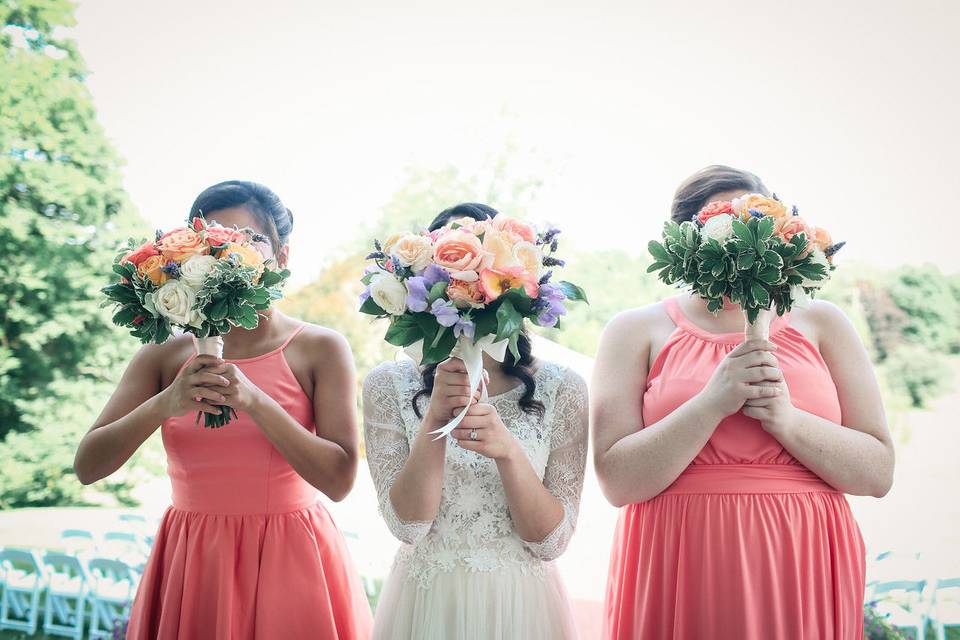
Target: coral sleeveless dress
{"points": [[747, 543], [246, 550]]}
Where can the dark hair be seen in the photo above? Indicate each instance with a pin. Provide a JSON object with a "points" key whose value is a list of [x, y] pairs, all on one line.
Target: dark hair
{"points": [[696, 191], [520, 369], [259, 200]]}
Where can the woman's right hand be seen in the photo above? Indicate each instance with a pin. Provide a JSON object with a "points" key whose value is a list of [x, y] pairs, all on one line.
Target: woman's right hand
{"points": [[740, 376], [451, 391], [198, 388]]}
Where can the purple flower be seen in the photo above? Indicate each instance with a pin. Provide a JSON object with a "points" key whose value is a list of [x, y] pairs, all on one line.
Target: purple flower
{"points": [[364, 295], [549, 305], [434, 274], [465, 327], [418, 291], [447, 314], [755, 213], [172, 269]]}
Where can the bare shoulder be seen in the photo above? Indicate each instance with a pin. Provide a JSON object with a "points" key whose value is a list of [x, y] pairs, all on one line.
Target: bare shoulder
{"points": [[824, 323], [164, 359], [323, 342], [637, 328]]}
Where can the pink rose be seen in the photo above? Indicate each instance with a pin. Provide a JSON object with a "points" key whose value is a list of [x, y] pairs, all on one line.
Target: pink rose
{"points": [[141, 253], [713, 209], [518, 230]]}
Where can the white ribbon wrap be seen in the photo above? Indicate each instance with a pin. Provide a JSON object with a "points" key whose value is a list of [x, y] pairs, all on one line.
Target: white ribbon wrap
{"points": [[760, 328], [471, 353], [210, 346]]}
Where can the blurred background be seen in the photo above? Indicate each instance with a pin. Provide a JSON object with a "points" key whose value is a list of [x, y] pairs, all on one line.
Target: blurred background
{"points": [[368, 119]]}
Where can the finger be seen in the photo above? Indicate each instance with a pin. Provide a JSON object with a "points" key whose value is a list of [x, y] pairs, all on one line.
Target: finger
{"points": [[454, 390], [479, 447], [750, 346], [203, 378], [762, 374], [206, 408], [206, 393], [760, 359], [457, 404], [761, 391], [486, 377], [203, 361], [461, 433], [473, 422], [759, 402], [452, 365]]}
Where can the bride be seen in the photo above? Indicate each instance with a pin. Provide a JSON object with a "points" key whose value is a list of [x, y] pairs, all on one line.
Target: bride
{"points": [[483, 512]]}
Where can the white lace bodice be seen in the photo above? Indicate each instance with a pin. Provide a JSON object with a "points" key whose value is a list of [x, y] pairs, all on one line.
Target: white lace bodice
{"points": [[473, 528]]}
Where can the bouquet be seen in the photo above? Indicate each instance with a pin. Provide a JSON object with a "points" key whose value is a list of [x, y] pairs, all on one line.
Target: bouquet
{"points": [[202, 279], [752, 251], [465, 290]]}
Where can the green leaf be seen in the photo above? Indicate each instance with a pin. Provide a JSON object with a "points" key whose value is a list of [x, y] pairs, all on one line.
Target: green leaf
{"points": [[742, 232], [573, 292], [218, 310], [765, 229], [657, 251], [760, 295], [372, 308], [434, 353], [436, 291], [403, 331], [509, 320], [746, 260]]}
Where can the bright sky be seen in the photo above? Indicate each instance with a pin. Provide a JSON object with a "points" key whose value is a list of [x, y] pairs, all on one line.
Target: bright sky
{"points": [[848, 109]]}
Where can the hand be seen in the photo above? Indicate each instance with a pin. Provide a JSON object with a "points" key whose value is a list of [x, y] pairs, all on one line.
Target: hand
{"points": [[240, 394], [776, 414], [451, 391], [741, 376], [491, 437], [198, 388]]}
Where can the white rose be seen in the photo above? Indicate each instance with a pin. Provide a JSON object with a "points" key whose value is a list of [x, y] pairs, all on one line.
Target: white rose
{"points": [[413, 251], [194, 271], [817, 257], [800, 297], [389, 293], [174, 301], [719, 227]]}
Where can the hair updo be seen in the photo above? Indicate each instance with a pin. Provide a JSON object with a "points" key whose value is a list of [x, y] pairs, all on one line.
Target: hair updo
{"points": [[264, 204]]}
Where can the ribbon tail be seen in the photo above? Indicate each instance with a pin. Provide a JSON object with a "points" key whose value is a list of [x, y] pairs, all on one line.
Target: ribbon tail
{"points": [[472, 356]]}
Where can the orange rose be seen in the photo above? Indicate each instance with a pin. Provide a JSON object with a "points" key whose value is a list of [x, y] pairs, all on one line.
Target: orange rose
{"points": [[140, 254], [249, 257], [499, 245], [821, 238], [465, 294], [180, 244], [759, 203], [518, 230], [461, 253], [151, 269]]}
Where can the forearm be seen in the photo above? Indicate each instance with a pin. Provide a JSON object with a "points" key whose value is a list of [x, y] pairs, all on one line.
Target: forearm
{"points": [[642, 464], [849, 460], [105, 449], [323, 463], [415, 494], [535, 511]]}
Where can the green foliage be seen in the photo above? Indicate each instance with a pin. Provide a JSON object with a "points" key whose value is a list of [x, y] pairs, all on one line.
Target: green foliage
{"points": [[876, 626], [931, 306], [753, 267], [916, 374], [63, 212]]}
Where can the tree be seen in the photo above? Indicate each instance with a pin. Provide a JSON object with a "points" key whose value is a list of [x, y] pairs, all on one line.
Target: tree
{"points": [[63, 214]]}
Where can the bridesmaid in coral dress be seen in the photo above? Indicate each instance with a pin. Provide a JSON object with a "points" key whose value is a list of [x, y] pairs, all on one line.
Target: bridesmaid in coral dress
{"points": [[246, 550], [731, 461]]}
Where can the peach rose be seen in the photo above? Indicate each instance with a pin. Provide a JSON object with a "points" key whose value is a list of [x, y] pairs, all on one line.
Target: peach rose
{"points": [[180, 244], [514, 228], [789, 226], [141, 253], [413, 251], [465, 294], [499, 245], [529, 256], [151, 269], [462, 254], [759, 203]]}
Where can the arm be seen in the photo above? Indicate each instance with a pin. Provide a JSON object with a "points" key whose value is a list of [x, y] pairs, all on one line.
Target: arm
{"points": [[635, 463], [565, 468], [328, 458], [857, 459], [387, 454], [137, 408]]}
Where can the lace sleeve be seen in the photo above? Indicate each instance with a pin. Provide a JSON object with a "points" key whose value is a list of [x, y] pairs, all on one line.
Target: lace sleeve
{"points": [[387, 447], [565, 467]]}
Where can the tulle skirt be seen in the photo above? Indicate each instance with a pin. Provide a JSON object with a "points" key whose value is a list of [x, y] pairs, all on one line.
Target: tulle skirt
{"points": [[508, 604]]}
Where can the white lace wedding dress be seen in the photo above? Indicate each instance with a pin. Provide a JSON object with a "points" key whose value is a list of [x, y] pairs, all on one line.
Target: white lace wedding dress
{"points": [[467, 574]]}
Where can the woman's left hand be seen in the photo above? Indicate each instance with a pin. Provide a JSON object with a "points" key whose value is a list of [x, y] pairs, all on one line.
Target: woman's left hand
{"points": [[776, 414], [490, 437], [240, 393]]}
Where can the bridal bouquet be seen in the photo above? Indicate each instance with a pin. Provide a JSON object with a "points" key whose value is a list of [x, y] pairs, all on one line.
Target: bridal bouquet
{"points": [[466, 289], [203, 279], [752, 251]]}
